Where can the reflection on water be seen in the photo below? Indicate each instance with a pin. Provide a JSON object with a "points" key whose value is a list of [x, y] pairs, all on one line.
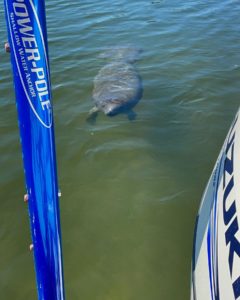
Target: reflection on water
{"points": [[130, 190]]}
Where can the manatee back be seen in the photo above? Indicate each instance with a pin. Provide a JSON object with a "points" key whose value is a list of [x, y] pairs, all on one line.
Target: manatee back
{"points": [[117, 81]]}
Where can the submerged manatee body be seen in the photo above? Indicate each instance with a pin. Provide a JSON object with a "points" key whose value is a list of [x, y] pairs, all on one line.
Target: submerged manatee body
{"points": [[117, 86]]}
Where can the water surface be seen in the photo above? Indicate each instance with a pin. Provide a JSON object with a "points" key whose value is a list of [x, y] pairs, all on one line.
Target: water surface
{"points": [[131, 190]]}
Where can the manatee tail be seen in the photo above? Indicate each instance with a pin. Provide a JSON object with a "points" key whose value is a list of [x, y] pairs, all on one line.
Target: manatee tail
{"points": [[128, 53]]}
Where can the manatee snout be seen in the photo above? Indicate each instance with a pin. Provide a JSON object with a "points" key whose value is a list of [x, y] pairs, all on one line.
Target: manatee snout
{"points": [[110, 109], [113, 107]]}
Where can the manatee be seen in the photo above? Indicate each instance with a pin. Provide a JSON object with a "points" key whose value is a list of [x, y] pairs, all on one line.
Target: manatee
{"points": [[127, 53], [117, 86]]}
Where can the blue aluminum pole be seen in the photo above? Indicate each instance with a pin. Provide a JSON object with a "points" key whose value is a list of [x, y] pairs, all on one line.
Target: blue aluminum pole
{"points": [[27, 35]]}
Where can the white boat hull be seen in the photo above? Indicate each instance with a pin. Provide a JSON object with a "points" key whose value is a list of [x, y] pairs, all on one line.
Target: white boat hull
{"points": [[216, 253]]}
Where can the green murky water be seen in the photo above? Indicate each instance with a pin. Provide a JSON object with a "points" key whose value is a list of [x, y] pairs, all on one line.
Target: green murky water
{"points": [[130, 190]]}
